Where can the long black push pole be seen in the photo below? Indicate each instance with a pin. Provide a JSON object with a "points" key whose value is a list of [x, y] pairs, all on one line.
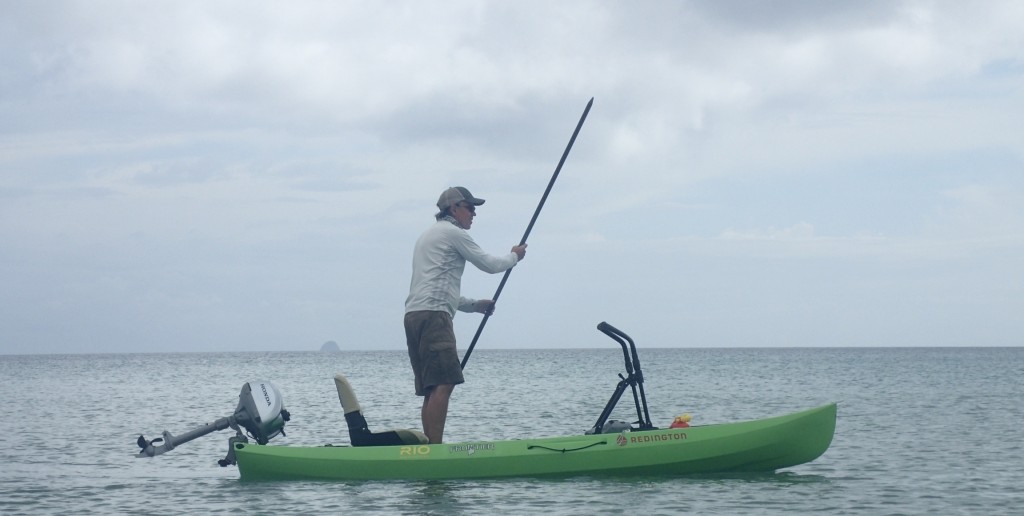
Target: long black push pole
{"points": [[530, 226]]}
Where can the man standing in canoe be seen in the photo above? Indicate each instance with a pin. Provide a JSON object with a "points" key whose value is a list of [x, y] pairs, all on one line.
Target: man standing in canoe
{"points": [[438, 261]]}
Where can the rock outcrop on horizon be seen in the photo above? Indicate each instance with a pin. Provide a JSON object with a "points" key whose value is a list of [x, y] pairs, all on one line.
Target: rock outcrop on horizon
{"points": [[330, 347]]}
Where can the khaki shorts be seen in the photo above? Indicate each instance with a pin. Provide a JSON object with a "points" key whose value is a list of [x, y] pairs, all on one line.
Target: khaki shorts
{"points": [[431, 340]]}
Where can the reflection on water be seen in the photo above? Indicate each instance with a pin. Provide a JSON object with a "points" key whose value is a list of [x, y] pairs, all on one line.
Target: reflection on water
{"points": [[433, 497]]}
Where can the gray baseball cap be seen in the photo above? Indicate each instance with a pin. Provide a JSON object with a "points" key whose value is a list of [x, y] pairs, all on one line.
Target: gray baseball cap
{"points": [[456, 194]]}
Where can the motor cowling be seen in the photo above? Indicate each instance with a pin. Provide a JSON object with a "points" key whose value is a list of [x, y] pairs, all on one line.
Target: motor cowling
{"points": [[261, 411]]}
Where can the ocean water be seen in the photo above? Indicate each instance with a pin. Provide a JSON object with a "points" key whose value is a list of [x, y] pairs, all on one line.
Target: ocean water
{"points": [[920, 430]]}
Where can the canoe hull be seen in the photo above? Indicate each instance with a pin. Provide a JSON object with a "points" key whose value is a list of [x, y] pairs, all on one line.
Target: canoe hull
{"points": [[750, 446]]}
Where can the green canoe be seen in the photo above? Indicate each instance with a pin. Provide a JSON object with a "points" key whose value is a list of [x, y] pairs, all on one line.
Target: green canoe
{"points": [[749, 446]]}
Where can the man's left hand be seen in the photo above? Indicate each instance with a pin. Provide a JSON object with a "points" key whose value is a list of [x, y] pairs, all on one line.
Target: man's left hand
{"points": [[485, 306]]}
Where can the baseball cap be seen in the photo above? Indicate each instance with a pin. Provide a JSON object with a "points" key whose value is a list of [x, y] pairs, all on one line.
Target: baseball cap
{"points": [[456, 194]]}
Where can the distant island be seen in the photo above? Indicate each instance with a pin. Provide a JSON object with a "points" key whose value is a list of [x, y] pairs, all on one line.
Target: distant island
{"points": [[330, 346]]}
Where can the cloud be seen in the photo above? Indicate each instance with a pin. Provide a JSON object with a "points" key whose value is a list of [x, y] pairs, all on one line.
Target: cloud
{"points": [[982, 213], [801, 231], [230, 176]]}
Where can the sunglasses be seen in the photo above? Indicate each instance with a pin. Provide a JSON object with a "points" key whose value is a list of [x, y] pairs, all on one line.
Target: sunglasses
{"points": [[470, 207]]}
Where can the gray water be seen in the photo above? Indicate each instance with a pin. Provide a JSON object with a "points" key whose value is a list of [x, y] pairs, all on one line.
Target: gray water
{"points": [[920, 431]]}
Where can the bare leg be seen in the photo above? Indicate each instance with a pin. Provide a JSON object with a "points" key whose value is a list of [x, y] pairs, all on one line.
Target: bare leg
{"points": [[435, 411]]}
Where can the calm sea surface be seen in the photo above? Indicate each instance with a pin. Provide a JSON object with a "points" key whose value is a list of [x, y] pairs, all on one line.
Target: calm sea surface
{"points": [[920, 431]]}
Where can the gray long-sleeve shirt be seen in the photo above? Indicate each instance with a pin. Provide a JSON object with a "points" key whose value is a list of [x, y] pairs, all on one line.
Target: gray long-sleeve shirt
{"points": [[438, 261]]}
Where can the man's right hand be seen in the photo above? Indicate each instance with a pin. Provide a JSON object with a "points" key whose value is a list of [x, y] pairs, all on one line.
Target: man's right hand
{"points": [[520, 251]]}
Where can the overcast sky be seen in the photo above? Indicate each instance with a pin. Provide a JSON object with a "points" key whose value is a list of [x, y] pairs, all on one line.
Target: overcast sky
{"points": [[222, 176]]}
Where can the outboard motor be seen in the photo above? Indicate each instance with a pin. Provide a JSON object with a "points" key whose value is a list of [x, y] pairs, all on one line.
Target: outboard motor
{"points": [[260, 412]]}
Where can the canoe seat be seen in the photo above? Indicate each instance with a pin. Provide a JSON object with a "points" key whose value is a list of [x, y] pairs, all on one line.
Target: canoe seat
{"points": [[359, 432]]}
